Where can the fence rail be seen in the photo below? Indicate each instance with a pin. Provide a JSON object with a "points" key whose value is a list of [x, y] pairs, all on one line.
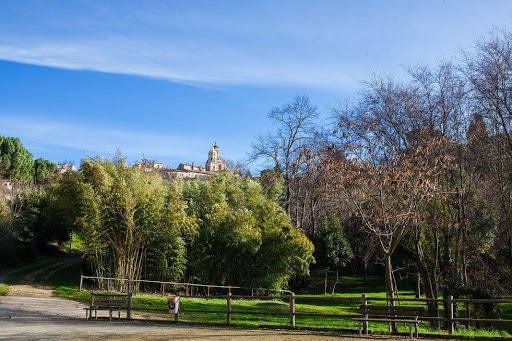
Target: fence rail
{"points": [[106, 283]]}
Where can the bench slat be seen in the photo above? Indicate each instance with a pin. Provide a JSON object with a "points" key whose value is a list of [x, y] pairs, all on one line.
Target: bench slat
{"points": [[391, 310], [386, 307], [386, 320]]}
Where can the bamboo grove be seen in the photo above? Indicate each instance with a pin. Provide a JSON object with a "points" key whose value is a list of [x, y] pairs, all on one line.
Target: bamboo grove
{"points": [[136, 225]]}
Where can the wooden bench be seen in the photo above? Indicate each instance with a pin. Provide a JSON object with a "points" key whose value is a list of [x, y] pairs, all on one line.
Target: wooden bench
{"points": [[378, 313], [110, 302]]}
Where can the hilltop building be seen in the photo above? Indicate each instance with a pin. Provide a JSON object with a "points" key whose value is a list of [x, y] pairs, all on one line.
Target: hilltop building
{"points": [[148, 165], [65, 167], [214, 163]]}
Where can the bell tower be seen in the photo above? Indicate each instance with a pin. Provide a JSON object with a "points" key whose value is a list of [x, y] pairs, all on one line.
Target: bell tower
{"points": [[215, 163]]}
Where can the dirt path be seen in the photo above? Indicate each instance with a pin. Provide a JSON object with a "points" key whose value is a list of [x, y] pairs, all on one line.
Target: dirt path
{"points": [[29, 290], [52, 268], [6, 274], [26, 287]]}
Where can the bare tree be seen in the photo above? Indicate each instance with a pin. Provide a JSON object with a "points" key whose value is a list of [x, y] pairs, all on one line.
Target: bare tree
{"points": [[489, 72], [284, 149]]}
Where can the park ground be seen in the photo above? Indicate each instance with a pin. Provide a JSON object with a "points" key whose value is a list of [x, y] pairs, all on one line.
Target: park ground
{"points": [[52, 318], [29, 309]]}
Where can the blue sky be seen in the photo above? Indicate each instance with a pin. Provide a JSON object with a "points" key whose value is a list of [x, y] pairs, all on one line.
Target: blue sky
{"points": [[82, 78]]}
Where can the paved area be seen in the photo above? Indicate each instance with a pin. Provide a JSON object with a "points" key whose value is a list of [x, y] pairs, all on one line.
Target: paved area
{"points": [[51, 318]]}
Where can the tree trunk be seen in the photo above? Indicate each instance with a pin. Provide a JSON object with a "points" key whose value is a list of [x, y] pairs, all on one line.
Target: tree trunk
{"points": [[325, 283], [335, 283], [390, 287], [418, 285]]}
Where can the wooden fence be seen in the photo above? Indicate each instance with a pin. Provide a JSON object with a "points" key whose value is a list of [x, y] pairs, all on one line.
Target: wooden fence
{"points": [[449, 318], [450, 314], [292, 312], [291, 298]]}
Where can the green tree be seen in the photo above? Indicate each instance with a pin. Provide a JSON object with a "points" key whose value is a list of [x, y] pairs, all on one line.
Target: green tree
{"points": [[131, 223], [244, 238], [166, 256], [57, 218], [15, 160], [332, 249], [43, 169]]}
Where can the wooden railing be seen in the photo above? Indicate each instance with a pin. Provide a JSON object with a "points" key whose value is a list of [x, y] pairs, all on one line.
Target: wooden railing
{"points": [[450, 313], [109, 284], [292, 312]]}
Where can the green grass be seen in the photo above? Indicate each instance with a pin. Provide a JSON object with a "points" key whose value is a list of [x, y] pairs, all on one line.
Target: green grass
{"points": [[471, 334], [76, 245], [67, 277], [65, 284], [4, 289]]}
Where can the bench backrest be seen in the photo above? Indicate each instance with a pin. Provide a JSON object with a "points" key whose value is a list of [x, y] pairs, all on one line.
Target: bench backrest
{"points": [[390, 311], [109, 300]]}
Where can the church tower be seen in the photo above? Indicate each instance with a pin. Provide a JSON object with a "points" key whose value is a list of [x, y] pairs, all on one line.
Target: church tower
{"points": [[215, 163]]}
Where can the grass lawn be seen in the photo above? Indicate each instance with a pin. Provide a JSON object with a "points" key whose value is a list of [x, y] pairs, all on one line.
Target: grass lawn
{"points": [[4, 289], [76, 244]]}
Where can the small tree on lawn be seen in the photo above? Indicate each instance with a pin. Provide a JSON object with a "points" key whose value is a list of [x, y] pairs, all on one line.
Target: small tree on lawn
{"points": [[332, 247]]}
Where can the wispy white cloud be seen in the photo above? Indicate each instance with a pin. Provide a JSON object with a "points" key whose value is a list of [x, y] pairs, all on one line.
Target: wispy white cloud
{"points": [[179, 63], [322, 45], [89, 140]]}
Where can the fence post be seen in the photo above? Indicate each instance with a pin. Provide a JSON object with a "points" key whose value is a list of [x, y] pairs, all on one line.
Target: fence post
{"points": [[451, 325], [228, 303], [91, 301], [81, 281], [292, 309], [418, 285], [163, 289], [364, 302], [129, 308]]}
